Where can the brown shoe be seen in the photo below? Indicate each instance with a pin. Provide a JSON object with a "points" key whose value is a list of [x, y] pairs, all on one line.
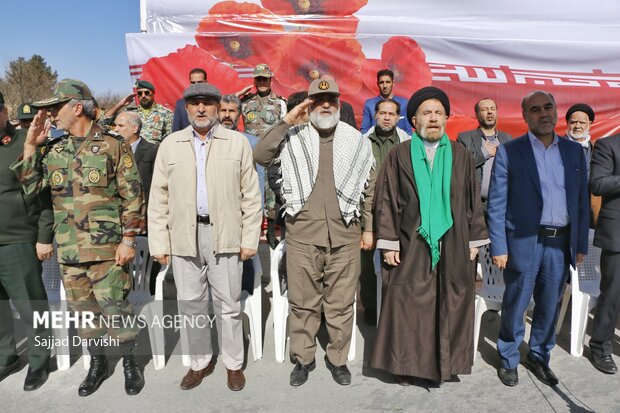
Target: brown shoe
{"points": [[194, 378], [236, 379]]}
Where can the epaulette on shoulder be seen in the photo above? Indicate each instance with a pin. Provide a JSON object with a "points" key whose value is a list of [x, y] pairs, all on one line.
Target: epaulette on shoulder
{"points": [[113, 134]]}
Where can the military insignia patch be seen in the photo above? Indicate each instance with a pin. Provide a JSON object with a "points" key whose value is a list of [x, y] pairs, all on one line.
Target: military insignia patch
{"points": [[94, 176], [95, 148], [56, 178], [124, 147], [127, 161], [6, 140], [324, 85], [251, 116], [58, 148]]}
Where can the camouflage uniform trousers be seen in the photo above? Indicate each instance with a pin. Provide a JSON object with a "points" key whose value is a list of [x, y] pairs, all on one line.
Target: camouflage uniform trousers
{"points": [[101, 288]]}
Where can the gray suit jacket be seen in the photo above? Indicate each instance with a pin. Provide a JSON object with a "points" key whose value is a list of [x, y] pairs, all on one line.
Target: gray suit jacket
{"points": [[472, 140]]}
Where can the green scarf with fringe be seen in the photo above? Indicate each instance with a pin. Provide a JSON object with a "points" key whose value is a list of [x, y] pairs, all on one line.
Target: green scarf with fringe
{"points": [[433, 191]]}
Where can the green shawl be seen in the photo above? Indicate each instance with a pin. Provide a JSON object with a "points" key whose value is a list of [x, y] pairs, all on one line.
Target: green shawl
{"points": [[433, 191]]}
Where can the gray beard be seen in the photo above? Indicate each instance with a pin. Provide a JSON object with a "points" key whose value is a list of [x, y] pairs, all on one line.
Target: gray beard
{"points": [[424, 136], [322, 122], [203, 124], [386, 131]]}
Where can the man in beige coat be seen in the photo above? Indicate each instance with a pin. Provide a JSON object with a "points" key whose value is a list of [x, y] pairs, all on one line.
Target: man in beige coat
{"points": [[205, 213]]}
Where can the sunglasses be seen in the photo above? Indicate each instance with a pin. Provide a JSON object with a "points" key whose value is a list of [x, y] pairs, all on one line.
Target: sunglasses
{"points": [[144, 93]]}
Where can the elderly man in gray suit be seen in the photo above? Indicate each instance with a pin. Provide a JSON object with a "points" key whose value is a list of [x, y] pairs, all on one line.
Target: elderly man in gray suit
{"points": [[483, 141]]}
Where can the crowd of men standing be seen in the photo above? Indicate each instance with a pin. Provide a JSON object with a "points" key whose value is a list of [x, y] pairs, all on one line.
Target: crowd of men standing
{"points": [[197, 186]]}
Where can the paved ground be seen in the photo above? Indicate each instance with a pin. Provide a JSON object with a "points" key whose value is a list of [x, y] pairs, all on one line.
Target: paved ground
{"points": [[581, 388]]}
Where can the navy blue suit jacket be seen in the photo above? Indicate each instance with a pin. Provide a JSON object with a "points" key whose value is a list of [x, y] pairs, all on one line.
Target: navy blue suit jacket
{"points": [[515, 201]]}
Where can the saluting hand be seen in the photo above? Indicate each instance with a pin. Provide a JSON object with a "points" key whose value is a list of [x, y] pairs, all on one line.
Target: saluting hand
{"points": [[297, 114]]}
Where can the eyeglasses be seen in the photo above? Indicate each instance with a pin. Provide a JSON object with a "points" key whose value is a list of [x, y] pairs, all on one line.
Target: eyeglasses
{"points": [[143, 93]]}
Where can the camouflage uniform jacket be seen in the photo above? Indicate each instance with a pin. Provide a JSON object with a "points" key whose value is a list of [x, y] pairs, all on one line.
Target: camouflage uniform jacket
{"points": [[156, 123], [96, 193], [260, 113]]}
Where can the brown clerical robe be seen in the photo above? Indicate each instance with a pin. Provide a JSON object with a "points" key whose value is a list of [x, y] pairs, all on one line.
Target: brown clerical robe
{"points": [[427, 317]]}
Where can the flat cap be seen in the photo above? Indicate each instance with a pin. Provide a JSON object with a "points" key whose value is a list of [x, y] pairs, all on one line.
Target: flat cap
{"points": [[144, 84], [262, 70], [318, 86], [202, 90], [25, 111], [65, 90], [580, 107], [426, 93]]}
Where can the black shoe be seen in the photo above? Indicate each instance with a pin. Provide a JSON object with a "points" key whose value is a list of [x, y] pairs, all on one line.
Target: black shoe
{"points": [[5, 371], [272, 240], [340, 374], [510, 377], [299, 375], [604, 363], [97, 373], [134, 379], [542, 372], [36, 378]]}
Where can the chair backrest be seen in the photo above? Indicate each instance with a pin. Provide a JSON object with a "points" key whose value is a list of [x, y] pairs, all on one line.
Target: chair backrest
{"points": [[140, 267], [492, 277], [52, 278], [590, 269]]}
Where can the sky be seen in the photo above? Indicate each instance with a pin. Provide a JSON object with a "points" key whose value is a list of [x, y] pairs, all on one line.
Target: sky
{"points": [[81, 39]]}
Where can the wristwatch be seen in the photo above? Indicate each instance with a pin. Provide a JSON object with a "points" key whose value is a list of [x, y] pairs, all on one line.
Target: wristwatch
{"points": [[130, 244]]}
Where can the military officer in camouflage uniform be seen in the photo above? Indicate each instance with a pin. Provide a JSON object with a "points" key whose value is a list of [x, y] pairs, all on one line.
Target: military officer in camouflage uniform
{"points": [[260, 111], [156, 118], [98, 210]]}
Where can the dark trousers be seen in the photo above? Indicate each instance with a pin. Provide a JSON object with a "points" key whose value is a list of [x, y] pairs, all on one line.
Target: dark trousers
{"points": [[20, 281], [607, 306], [368, 281], [544, 280]]}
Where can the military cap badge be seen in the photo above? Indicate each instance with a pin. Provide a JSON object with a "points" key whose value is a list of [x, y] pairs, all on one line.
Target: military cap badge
{"points": [[324, 85]]}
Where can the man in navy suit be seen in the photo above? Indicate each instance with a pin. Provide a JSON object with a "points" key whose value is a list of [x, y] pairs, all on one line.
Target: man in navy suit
{"points": [[538, 211]]}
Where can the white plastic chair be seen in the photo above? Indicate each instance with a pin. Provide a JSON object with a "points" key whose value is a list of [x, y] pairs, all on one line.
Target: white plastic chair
{"points": [[252, 306], [585, 289], [144, 304], [280, 308], [491, 294]]}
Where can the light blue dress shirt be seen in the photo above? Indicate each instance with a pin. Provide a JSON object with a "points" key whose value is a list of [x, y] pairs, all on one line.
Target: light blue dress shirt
{"points": [[200, 151], [551, 174]]}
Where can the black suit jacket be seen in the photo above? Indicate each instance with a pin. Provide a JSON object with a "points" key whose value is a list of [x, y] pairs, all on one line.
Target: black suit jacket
{"points": [[346, 114], [472, 140], [605, 181], [145, 159]]}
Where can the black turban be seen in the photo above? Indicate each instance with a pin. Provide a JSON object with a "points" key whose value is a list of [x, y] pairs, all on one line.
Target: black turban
{"points": [[426, 93], [580, 107]]}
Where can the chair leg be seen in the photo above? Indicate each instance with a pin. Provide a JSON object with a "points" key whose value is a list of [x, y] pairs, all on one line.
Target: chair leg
{"points": [[257, 321], [481, 307], [156, 335]]}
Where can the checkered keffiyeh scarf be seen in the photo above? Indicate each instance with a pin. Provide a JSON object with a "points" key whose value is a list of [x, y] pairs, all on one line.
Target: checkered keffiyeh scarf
{"points": [[299, 160]]}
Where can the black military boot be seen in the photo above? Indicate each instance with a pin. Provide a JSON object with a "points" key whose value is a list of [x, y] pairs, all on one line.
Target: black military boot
{"points": [[97, 373], [134, 379], [272, 240]]}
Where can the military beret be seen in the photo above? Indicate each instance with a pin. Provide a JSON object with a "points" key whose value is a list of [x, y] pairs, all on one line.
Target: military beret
{"points": [[580, 107], [426, 93], [318, 86], [144, 84], [202, 90], [65, 90], [262, 70], [25, 111]]}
